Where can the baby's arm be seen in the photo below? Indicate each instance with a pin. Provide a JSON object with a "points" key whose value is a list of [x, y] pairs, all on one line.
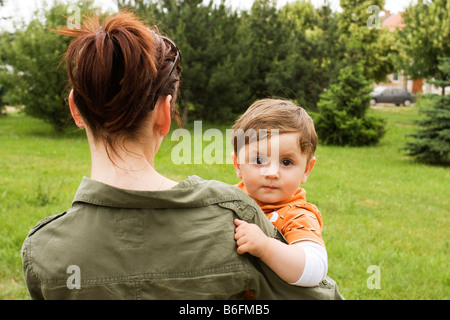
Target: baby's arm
{"points": [[287, 261]]}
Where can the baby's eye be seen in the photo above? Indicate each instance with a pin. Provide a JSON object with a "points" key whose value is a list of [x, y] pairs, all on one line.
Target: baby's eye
{"points": [[286, 162], [258, 160]]}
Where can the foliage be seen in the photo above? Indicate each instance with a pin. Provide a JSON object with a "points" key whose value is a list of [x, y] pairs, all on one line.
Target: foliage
{"points": [[36, 81], [304, 64], [260, 38], [425, 52], [212, 68], [425, 38], [365, 40], [232, 58], [432, 139], [367, 56], [342, 118]]}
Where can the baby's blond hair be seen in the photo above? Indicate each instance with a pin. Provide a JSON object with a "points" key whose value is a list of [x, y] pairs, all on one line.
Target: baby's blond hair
{"points": [[274, 114]]}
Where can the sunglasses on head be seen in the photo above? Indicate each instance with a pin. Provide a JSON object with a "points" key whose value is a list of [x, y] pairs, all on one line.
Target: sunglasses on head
{"points": [[176, 62]]}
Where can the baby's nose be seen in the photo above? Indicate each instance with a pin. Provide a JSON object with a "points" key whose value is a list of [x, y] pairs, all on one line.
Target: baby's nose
{"points": [[272, 170]]}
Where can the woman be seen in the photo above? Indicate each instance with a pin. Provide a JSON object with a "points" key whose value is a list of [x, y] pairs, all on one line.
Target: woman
{"points": [[132, 233]]}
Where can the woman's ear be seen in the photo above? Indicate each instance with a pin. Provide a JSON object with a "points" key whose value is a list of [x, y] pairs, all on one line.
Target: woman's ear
{"points": [[163, 117], [74, 111]]}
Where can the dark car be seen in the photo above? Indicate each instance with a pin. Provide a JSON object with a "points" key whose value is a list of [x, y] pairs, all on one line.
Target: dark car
{"points": [[391, 95]]}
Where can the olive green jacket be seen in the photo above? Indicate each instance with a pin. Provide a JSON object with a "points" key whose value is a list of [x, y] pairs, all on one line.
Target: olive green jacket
{"points": [[172, 244]]}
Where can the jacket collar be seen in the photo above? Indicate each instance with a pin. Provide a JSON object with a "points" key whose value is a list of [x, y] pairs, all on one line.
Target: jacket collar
{"points": [[191, 192]]}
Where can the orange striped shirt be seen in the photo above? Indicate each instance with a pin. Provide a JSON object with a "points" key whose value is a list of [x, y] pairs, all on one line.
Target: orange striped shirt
{"points": [[296, 219]]}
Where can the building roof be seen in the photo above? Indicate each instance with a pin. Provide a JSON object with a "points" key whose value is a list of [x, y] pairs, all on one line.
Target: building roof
{"points": [[393, 21]]}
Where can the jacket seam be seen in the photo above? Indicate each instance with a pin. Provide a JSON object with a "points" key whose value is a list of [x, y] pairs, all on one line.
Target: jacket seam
{"points": [[137, 285], [28, 264], [137, 277], [204, 203]]}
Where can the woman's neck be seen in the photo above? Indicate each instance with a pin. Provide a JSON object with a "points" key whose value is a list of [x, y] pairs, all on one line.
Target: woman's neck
{"points": [[128, 168]]}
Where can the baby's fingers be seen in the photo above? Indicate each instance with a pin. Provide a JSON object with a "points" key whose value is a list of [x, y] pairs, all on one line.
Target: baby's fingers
{"points": [[242, 246], [238, 222]]}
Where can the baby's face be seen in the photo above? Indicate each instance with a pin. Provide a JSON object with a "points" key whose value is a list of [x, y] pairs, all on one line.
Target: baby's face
{"points": [[273, 169]]}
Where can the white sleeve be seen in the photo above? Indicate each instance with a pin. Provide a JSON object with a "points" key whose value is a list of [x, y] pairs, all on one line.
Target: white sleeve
{"points": [[316, 264]]}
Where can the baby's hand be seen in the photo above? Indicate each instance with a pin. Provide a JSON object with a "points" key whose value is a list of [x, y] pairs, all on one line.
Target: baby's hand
{"points": [[250, 238]]}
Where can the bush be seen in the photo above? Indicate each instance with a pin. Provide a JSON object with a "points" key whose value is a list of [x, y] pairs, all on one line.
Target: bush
{"points": [[342, 118], [432, 140], [35, 80]]}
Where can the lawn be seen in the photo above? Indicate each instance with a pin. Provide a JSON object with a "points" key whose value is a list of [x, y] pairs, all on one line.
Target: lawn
{"points": [[382, 211]]}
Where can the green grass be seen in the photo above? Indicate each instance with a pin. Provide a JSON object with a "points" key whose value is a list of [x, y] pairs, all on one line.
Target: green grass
{"points": [[379, 206]]}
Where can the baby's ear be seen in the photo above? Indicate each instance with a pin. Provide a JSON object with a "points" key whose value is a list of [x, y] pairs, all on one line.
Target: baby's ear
{"points": [[308, 169], [236, 165]]}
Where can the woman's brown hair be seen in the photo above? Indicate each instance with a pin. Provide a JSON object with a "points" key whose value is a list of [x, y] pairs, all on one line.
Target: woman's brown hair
{"points": [[116, 68]]}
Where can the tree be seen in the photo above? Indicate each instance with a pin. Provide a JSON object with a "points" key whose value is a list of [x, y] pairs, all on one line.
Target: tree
{"points": [[34, 54], [364, 39], [303, 64], [342, 118], [425, 39], [425, 47], [432, 139], [206, 35], [259, 40], [232, 58]]}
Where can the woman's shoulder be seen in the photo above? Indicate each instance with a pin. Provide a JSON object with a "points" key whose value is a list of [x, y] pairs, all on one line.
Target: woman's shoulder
{"points": [[214, 190], [232, 198], [42, 223]]}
